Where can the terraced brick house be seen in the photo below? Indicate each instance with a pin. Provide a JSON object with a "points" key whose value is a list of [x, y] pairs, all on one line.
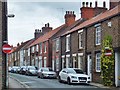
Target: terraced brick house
{"points": [[93, 32]]}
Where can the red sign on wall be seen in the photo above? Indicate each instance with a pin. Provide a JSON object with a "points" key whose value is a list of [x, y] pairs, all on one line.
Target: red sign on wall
{"points": [[108, 52]]}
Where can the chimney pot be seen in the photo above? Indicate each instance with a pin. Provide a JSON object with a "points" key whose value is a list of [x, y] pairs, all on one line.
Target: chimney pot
{"points": [[96, 3], [104, 4], [73, 12], [48, 24], [86, 4], [83, 3], [90, 4], [45, 25]]}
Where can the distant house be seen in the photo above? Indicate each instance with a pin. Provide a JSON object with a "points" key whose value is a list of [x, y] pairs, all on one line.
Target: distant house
{"points": [[40, 49]]}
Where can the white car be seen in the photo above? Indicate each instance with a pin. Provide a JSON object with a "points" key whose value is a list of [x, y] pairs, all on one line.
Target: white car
{"points": [[46, 72], [73, 75]]}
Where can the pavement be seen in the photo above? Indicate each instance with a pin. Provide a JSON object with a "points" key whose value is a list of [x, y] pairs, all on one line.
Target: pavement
{"points": [[14, 83]]}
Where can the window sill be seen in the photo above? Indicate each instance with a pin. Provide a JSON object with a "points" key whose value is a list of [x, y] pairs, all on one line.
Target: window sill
{"points": [[57, 51], [67, 50], [81, 48], [98, 71], [98, 44]]}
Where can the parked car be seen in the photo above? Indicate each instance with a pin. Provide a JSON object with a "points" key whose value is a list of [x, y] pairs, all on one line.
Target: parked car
{"points": [[23, 70], [73, 75], [14, 69], [46, 72], [9, 69], [18, 70], [31, 70]]}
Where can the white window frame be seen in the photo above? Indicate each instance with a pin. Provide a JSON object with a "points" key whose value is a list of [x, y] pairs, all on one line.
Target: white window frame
{"points": [[33, 48], [28, 51], [98, 64], [37, 48], [98, 35], [68, 43], [45, 61], [40, 48], [57, 44], [80, 39]]}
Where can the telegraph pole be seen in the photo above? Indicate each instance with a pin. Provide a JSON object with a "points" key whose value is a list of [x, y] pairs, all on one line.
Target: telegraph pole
{"points": [[4, 40]]}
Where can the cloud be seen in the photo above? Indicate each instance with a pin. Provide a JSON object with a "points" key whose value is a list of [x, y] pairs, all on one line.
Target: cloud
{"points": [[32, 15]]}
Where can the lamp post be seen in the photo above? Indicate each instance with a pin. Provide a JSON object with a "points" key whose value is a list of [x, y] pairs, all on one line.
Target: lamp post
{"points": [[4, 41]]}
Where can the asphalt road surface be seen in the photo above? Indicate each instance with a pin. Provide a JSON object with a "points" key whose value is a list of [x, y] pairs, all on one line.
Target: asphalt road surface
{"points": [[35, 82]]}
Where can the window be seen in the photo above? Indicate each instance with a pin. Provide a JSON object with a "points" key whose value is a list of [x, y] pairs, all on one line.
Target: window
{"points": [[67, 61], [67, 43], [32, 49], [45, 48], [98, 66], [80, 62], [45, 62], [37, 48], [40, 48], [80, 35], [98, 35], [57, 44], [28, 51]]}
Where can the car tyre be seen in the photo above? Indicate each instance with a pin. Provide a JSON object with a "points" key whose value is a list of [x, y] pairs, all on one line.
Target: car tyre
{"points": [[59, 79], [42, 76], [68, 81], [38, 76]]}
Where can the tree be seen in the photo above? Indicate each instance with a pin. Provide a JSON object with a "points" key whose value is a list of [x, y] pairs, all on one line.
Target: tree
{"points": [[107, 62]]}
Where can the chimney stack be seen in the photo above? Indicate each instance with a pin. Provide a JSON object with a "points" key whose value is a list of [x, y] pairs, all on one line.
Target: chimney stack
{"points": [[37, 33], [89, 12], [46, 29], [114, 3], [69, 18], [18, 44]]}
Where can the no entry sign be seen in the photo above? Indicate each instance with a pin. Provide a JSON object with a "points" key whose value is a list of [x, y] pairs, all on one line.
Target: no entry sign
{"points": [[6, 48]]}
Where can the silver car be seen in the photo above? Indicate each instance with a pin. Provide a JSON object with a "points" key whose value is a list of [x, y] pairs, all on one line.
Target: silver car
{"points": [[31, 70], [46, 72]]}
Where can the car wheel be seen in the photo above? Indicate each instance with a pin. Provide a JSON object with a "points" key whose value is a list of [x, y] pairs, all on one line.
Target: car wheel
{"points": [[42, 76], [59, 79], [68, 81], [38, 76]]}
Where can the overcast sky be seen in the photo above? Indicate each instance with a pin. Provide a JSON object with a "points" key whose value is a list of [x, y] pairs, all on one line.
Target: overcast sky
{"points": [[33, 15]]}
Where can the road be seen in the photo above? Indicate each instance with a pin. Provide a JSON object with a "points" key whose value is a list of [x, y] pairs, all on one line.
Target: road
{"points": [[34, 82]]}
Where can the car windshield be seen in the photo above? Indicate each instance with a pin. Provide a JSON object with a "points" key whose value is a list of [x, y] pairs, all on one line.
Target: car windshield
{"points": [[32, 68], [78, 71], [47, 69]]}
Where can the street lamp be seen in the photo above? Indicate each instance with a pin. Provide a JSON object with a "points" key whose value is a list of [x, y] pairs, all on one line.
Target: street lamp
{"points": [[10, 15], [7, 76]]}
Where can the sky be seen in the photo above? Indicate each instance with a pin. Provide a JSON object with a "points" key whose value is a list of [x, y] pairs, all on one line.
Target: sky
{"points": [[34, 14]]}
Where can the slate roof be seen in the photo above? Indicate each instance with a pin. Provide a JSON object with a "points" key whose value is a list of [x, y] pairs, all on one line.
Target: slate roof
{"points": [[46, 36], [96, 19]]}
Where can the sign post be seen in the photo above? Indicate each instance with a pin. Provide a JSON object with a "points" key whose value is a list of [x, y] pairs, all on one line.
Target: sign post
{"points": [[6, 49]]}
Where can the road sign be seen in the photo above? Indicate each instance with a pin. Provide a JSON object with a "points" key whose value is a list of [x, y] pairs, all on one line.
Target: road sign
{"points": [[6, 48]]}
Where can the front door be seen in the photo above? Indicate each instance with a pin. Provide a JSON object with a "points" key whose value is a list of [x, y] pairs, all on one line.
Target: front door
{"points": [[89, 66]]}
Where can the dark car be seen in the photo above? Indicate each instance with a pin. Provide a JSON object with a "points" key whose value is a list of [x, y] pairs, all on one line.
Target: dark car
{"points": [[31, 70]]}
